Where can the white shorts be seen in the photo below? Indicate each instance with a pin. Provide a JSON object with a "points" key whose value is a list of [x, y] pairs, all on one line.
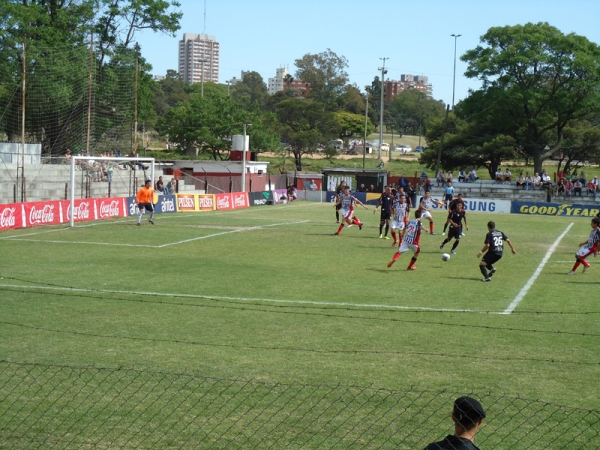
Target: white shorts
{"points": [[426, 215], [347, 213], [404, 247], [398, 225], [584, 251]]}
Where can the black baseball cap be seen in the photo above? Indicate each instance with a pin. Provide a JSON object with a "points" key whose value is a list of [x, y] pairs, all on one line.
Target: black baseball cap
{"points": [[467, 411]]}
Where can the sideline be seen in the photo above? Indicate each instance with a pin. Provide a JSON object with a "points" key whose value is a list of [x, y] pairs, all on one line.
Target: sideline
{"points": [[241, 299], [523, 292]]}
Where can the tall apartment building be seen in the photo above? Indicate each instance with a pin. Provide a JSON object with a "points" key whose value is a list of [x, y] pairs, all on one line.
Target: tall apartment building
{"points": [[418, 82], [194, 48], [275, 84]]}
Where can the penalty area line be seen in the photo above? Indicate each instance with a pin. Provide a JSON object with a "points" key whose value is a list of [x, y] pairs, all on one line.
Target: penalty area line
{"points": [[238, 299], [523, 292]]}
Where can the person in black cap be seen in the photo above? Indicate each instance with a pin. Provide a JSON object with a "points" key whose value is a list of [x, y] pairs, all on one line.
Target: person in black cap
{"points": [[467, 416]]}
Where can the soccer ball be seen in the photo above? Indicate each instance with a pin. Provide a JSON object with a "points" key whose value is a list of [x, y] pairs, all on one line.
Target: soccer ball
{"points": [[445, 257]]}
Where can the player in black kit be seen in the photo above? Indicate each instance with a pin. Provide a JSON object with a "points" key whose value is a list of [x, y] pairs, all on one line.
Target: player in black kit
{"points": [[386, 201], [455, 218], [451, 208], [338, 192], [494, 244]]}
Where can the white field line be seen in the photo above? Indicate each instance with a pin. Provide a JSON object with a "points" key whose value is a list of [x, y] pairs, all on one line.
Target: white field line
{"points": [[112, 244], [229, 232], [162, 217], [536, 274], [240, 299]]}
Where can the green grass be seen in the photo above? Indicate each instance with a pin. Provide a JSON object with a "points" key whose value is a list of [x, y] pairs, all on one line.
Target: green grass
{"points": [[291, 304]]}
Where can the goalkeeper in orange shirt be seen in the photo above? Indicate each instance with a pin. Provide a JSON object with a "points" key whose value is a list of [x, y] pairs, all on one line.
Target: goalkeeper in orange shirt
{"points": [[145, 201]]}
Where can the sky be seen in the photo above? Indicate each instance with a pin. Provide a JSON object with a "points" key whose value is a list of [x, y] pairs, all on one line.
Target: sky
{"points": [[263, 35]]}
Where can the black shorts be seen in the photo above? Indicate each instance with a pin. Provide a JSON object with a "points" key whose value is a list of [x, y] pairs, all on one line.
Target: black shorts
{"points": [[386, 214], [455, 233], [448, 197], [146, 206], [491, 258], [338, 207]]}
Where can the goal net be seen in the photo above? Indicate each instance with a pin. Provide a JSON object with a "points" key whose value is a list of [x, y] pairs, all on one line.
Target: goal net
{"points": [[107, 177]]}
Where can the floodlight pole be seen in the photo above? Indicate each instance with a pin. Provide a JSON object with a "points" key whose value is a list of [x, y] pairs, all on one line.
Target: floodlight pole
{"points": [[383, 72], [245, 147], [366, 124], [455, 36]]}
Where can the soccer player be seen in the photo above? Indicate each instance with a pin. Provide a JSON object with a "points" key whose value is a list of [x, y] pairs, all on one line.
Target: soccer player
{"points": [[425, 205], [588, 247], [145, 199], [347, 200], [338, 192], [385, 201], [456, 218], [494, 245], [452, 208], [410, 241], [401, 214], [449, 193]]}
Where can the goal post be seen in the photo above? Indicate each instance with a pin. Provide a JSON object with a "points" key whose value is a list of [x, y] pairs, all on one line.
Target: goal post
{"points": [[80, 160]]}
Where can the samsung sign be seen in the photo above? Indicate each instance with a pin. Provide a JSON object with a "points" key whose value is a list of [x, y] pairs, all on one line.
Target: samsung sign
{"points": [[485, 205]]}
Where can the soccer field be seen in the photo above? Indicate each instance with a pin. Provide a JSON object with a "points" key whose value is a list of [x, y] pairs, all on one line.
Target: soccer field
{"points": [[268, 294]]}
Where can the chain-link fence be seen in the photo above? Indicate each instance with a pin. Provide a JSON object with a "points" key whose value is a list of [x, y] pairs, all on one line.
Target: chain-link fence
{"points": [[52, 406]]}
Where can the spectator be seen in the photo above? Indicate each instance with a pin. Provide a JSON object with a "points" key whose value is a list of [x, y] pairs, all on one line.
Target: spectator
{"points": [[160, 185], [372, 188], [521, 182], [577, 187], [560, 187], [440, 178], [591, 189], [462, 176], [68, 157], [528, 181], [537, 181], [427, 185], [362, 188], [468, 414], [507, 176], [498, 176], [583, 178], [472, 175], [380, 165], [133, 154], [561, 175], [569, 188], [291, 193], [402, 181], [172, 186], [448, 176], [595, 181], [423, 176], [546, 181]]}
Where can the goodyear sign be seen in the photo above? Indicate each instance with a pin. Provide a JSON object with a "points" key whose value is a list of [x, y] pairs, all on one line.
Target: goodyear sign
{"points": [[554, 209]]}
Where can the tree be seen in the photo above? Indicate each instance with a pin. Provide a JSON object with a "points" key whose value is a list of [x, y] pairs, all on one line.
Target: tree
{"points": [[251, 89], [540, 79], [326, 74], [303, 124], [352, 124], [411, 110]]}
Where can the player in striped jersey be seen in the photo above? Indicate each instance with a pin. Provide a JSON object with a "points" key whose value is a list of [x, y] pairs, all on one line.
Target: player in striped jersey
{"points": [[425, 205], [588, 247], [339, 191], [347, 202], [410, 241], [401, 214]]}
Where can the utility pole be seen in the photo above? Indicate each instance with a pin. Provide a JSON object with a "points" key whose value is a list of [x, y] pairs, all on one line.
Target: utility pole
{"points": [[383, 72], [366, 123], [455, 36]]}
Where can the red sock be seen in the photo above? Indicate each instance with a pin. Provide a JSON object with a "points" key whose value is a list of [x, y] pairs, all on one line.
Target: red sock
{"points": [[576, 265], [431, 227], [340, 229], [394, 235], [585, 263], [396, 256], [413, 260], [399, 238], [356, 221]]}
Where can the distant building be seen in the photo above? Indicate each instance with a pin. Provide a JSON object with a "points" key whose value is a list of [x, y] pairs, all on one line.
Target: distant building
{"points": [[418, 82], [235, 80], [302, 89], [276, 84], [194, 48]]}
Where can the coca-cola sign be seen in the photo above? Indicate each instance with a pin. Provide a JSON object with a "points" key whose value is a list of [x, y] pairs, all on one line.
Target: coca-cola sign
{"points": [[8, 217], [81, 211], [42, 213], [240, 200], [109, 208], [186, 202], [224, 201]]}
